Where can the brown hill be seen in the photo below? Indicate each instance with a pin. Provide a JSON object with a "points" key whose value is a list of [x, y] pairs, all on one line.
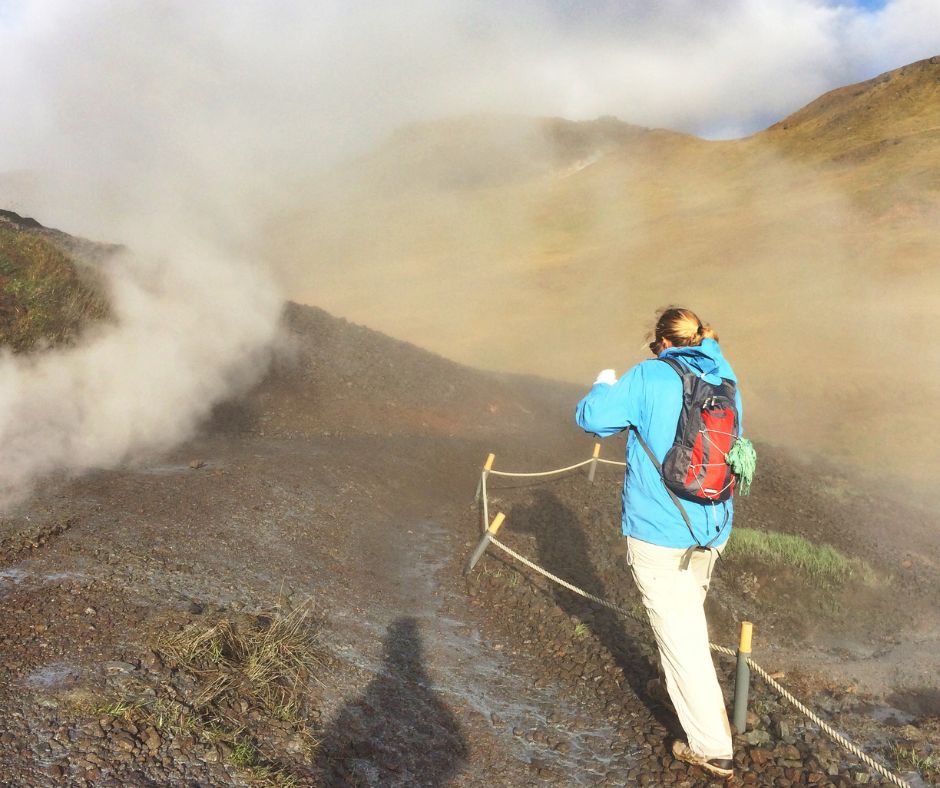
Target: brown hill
{"points": [[887, 109], [811, 248]]}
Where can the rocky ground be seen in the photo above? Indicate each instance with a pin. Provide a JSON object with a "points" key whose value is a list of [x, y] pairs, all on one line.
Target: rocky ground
{"points": [[318, 526]]}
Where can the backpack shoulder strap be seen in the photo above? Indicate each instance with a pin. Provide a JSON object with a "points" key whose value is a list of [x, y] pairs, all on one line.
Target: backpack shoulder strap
{"points": [[677, 366]]}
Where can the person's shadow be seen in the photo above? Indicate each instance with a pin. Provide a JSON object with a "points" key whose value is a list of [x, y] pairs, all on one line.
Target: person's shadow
{"points": [[398, 732], [563, 550]]}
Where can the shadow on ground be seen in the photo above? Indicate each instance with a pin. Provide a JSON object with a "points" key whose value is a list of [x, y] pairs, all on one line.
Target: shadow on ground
{"points": [[563, 550], [398, 732]]}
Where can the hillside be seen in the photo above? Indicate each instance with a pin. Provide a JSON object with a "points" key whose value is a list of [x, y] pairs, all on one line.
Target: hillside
{"points": [[809, 247], [49, 291], [333, 480], [140, 601], [894, 108]]}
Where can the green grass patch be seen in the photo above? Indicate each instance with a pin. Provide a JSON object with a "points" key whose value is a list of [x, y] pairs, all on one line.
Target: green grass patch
{"points": [[775, 549], [906, 758]]}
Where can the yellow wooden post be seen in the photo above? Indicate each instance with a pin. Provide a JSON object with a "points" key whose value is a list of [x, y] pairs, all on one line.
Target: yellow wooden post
{"points": [[484, 543], [487, 467], [742, 680], [593, 466]]}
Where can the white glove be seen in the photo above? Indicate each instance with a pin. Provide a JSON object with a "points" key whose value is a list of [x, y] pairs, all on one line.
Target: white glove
{"points": [[607, 376]]}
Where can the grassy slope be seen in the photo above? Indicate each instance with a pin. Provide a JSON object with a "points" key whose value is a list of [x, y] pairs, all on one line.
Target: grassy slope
{"points": [[809, 246], [45, 297]]}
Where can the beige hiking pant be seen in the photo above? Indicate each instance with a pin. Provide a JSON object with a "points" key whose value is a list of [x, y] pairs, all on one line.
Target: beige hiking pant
{"points": [[675, 602]]}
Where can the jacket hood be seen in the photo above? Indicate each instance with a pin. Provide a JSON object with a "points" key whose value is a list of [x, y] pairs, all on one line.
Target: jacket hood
{"points": [[705, 359]]}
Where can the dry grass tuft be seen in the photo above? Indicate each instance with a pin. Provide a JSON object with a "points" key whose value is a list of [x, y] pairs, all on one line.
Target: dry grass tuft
{"points": [[268, 660], [255, 680]]}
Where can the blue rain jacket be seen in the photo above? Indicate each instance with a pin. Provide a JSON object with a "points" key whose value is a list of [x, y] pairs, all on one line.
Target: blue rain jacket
{"points": [[649, 397]]}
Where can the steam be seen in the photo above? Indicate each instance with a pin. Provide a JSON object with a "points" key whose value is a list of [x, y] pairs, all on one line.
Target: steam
{"points": [[179, 129], [187, 334]]}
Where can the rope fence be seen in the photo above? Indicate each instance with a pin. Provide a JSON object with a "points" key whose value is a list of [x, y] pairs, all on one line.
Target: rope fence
{"points": [[489, 537]]}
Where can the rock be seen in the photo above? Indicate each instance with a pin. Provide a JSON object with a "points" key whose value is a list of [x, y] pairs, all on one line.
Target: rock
{"points": [[125, 742], [151, 661], [116, 667], [760, 756], [788, 752], [152, 739], [757, 736], [295, 745]]}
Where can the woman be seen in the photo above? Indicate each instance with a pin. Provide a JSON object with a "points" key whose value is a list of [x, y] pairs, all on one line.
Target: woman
{"points": [[671, 554]]}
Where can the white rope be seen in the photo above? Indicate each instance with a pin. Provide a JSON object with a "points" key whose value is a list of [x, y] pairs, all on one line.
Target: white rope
{"points": [[543, 473], [612, 462]]}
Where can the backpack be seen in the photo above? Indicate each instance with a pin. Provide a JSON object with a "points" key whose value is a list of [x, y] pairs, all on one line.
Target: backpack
{"points": [[695, 468]]}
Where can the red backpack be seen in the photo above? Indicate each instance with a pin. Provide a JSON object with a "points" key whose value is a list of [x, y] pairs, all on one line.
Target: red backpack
{"points": [[694, 468]]}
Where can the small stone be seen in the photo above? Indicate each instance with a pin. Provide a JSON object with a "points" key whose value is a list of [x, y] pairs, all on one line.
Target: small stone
{"points": [[152, 739], [116, 666], [757, 736], [787, 752], [760, 756], [93, 729], [862, 777], [125, 742], [151, 661]]}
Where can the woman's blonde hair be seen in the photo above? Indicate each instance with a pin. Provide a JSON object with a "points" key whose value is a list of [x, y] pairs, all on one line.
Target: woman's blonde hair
{"points": [[682, 328]]}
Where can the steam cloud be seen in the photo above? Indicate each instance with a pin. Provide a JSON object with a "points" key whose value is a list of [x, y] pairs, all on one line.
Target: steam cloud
{"points": [[178, 128]]}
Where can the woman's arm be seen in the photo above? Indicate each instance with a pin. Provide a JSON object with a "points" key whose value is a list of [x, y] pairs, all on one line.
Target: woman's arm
{"points": [[608, 409]]}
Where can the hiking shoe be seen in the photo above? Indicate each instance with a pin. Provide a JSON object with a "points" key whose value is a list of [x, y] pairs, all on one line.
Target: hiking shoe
{"points": [[720, 767]]}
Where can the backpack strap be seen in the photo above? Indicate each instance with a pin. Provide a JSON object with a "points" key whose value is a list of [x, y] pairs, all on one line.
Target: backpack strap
{"points": [[678, 366], [675, 499]]}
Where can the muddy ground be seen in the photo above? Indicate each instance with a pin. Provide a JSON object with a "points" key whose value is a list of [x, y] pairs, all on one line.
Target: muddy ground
{"points": [[343, 486]]}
